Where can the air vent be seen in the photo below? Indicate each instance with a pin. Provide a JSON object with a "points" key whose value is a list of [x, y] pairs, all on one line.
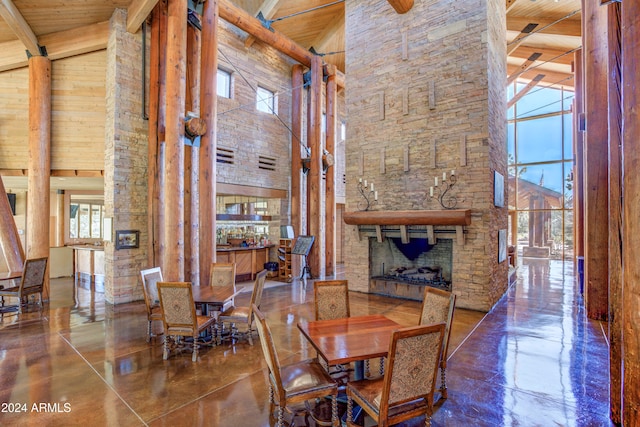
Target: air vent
{"points": [[267, 163], [225, 155]]}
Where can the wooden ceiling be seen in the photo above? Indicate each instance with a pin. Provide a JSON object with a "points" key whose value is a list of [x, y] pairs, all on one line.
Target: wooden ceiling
{"points": [[317, 24]]}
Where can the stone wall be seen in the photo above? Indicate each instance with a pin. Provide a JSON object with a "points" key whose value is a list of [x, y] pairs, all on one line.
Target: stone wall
{"points": [[125, 180], [429, 84]]}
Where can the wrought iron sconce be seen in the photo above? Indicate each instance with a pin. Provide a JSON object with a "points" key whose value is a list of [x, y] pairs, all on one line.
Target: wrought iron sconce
{"points": [[441, 191], [369, 195]]}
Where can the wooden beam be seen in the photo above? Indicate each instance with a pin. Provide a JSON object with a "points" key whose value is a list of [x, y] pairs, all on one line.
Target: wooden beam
{"points": [[243, 20], [137, 12], [631, 195], [556, 56], [401, 6], [38, 183], [533, 83], [63, 44], [19, 26], [566, 27], [330, 175], [509, 4], [207, 185], [550, 76], [314, 177], [173, 255], [513, 45], [525, 65], [596, 162], [268, 8], [9, 238], [426, 217], [297, 108]]}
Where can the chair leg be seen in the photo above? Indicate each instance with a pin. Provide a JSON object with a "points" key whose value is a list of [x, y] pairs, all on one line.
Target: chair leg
{"points": [[381, 366], [443, 384], [349, 410], [149, 331], [194, 355], [280, 422], [334, 411], [165, 348]]}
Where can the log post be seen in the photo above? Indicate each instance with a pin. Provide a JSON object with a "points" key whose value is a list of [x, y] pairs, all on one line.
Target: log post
{"points": [[39, 174], [578, 149], [297, 191], [173, 208], [596, 162], [615, 212], [330, 174], [208, 142], [195, 126], [314, 180], [631, 193], [9, 237]]}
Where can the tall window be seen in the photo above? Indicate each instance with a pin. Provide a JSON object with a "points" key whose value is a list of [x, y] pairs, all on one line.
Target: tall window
{"points": [[85, 218], [540, 158], [266, 100], [224, 83]]}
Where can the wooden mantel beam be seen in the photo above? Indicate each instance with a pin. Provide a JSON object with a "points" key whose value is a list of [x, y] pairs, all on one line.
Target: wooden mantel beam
{"points": [[19, 26], [243, 20], [401, 6], [426, 217]]}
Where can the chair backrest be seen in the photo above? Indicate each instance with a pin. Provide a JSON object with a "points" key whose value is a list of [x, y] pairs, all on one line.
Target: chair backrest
{"points": [[412, 365], [33, 275], [269, 351], [258, 288], [222, 274], [178, 308], [438, 306], [150, 279], [331, 299]]}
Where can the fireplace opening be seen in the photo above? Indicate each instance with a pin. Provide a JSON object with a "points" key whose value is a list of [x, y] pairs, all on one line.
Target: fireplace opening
{"points": [[403, 269]]}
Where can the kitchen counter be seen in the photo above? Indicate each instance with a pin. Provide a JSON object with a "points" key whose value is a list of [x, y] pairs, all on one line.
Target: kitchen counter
{"points": [[249, 260]]}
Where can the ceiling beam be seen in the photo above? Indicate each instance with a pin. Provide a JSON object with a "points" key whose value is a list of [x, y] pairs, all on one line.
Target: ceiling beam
{"points": [[551, 77], [401, 6], [513, 45], [533, 83], [565, 27], [509, 4], [526, 64], [19, 26], [137, 12], [561, 56], [59, 45], [268, 8]]}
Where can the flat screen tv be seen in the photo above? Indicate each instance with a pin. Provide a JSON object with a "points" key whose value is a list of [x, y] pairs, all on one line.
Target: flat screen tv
{"points": [[12, 202]]}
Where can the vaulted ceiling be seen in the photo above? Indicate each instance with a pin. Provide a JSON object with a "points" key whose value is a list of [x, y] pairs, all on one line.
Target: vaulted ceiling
{"points": [[541, 34]]}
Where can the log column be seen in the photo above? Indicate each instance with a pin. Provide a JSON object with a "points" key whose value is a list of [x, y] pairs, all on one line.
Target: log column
{"points": [[631, 191], [208, 141], [615, 212], [330, 175], [9, 237], [297, 181], [38, 198], [173, 254], [596, 161], [578, 149], [314, 133]]}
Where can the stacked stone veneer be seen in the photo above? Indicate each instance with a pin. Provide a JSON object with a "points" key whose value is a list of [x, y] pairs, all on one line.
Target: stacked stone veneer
{"points": [[125, 181], [457, 49]]}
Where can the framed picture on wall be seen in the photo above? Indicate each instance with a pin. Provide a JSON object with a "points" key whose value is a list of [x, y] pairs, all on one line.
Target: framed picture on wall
{"points": [[498, 189], [127, 239], [502, 245]]}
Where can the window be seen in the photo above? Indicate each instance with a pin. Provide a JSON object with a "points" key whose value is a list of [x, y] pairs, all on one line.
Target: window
{"points": [[85, 219], [540, 162], [224, 84], [266, 101]]}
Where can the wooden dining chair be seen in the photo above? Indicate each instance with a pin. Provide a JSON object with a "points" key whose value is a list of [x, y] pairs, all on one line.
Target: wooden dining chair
{"points": [[31, 282], [331, 299], [407, 387], [243, 315], [437, 307], [223, 274], [295, 383], [150, 278], [180, 318]]}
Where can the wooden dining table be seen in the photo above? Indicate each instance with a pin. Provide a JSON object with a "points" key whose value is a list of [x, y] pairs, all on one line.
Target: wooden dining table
{"points": [[214, 297], [352, 339]]}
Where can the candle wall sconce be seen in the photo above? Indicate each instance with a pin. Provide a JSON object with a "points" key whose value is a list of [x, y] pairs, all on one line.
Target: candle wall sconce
{"points": [[369, 195], [442, 191]]}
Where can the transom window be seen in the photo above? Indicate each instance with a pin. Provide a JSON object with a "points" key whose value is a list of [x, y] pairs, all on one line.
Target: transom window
{"points": [[265, 100]]}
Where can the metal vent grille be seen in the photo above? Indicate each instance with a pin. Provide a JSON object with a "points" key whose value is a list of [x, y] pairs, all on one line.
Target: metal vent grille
{"points": [[267, 163], [225, 155]]}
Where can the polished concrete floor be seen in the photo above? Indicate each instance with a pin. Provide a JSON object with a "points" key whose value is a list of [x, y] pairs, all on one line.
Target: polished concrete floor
{"points": [[534, 360]]}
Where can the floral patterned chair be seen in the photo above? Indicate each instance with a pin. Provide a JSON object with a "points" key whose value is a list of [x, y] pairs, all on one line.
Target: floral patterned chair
{"points": [[331, 299], [180, 318], [407, 387], [31, 282], [438, 306]]}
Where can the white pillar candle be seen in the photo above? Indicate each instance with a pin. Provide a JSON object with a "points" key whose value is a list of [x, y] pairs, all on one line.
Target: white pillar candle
{"points": [[365, 183], [453, 172], [444, 176], [436, 181], [372, 186], [431, 191], [360, 179], [375, 195]]}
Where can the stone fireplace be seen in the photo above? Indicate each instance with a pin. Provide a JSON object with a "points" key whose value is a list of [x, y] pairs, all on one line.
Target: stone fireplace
{"points": [[404, 269]]}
